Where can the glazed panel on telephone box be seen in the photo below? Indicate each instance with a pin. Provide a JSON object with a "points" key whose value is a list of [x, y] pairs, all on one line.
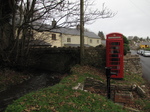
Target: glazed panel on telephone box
{"points": [[114, 54]]}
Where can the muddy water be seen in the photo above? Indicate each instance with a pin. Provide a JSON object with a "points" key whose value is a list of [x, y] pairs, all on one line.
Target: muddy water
{"points": [[34, 84]]}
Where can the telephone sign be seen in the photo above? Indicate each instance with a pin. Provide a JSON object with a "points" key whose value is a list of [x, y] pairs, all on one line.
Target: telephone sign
{"points": [[114, 54]]}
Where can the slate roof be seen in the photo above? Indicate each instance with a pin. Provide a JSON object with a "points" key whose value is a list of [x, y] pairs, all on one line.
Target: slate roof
{"points": [[75, 32], [39, 42], [145, 43], [69, 31], [76, 45]]}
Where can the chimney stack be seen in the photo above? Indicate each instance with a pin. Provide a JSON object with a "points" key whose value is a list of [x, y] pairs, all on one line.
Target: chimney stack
{"points": [[53, 23]]}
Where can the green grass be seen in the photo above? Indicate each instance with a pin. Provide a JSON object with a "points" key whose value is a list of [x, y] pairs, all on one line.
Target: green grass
{"points": [[133, 78], [130, 79], [62, 98], [147, 49], [145, 103]]}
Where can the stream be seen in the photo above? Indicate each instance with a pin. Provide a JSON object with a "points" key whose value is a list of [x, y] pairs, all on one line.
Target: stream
{"points": [[35, 83]]}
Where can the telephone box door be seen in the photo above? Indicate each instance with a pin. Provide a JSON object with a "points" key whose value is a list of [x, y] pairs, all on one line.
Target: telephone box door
{"points": [[114, 56]]}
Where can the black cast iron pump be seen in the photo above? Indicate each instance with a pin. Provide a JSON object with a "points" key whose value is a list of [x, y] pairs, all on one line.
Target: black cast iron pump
{"points": [[108, 76]]}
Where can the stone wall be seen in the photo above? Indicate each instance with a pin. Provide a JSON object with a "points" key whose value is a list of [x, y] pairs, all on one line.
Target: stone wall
{"points": [[95, 56], [132, 64], [54, 59], [62, 59]]}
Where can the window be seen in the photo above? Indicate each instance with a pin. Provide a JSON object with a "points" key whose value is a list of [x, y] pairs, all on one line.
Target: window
{"points": [[90, 40], [68, 39], [53, 36], [115, 43], [98, 41]]}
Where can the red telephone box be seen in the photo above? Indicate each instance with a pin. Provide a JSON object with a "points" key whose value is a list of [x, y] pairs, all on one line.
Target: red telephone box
{"points": [[114, 54]]}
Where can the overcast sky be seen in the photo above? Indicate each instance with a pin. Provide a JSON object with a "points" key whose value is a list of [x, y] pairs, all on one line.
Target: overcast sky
{"points": [[132, 18]]}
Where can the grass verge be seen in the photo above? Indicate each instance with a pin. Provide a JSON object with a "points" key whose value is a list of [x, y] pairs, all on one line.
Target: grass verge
{"points": [[62, 98]]}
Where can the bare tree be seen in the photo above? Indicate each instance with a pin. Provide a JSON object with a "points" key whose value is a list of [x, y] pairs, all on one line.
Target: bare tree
{"points": [[65, 12], [6, 38]]}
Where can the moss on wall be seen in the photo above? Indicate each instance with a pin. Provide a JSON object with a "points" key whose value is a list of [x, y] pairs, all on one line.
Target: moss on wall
{"points": [[62, 59]]}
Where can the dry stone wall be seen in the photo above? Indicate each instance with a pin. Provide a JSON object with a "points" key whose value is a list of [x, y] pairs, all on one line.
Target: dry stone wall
{"points": [[132, 64], [62, 59]]}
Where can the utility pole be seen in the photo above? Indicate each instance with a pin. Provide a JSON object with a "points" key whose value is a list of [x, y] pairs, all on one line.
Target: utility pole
{"points": [[81, 31]]}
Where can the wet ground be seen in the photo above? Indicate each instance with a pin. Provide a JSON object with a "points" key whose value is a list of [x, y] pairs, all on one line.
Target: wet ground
{"points": [[33, 84]]}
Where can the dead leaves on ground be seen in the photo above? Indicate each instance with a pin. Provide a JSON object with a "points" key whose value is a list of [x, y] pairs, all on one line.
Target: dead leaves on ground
{"points": [[32, 108]]}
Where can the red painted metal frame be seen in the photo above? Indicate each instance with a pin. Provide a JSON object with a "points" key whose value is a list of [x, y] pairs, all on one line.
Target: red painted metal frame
{"points": [[114, 54]]}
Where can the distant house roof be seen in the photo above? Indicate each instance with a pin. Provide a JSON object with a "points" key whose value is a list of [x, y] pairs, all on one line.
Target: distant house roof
{"points": [[74, 32], [70, 31], [145, 43], [76, 45], [39, 42]]}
